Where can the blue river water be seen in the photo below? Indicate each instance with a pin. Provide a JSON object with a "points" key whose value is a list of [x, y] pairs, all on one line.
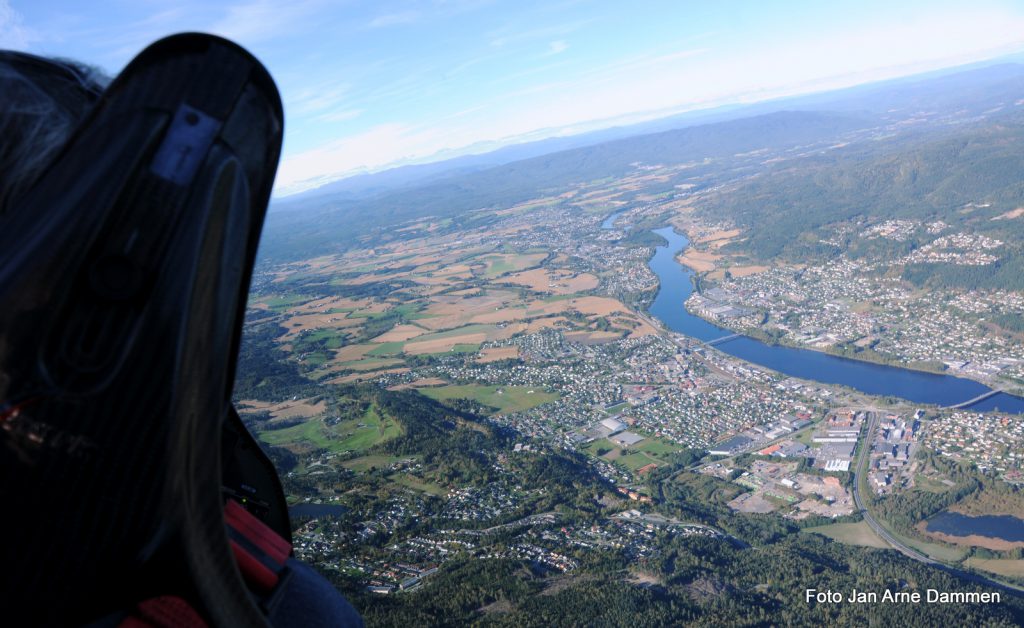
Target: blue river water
{"points": [[876, 379], [1002, 527]]}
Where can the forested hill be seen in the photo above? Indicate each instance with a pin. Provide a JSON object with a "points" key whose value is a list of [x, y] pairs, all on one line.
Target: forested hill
{"points": [[966, 176]]}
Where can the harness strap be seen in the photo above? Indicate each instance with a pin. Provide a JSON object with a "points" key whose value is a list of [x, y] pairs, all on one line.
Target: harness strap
{"points": [[259, 551], [166, 611], [260, 554]]}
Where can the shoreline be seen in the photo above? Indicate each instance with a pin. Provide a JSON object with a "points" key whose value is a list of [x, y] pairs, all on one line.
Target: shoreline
{"points": [[971, 540], [696, 277], [680, 256], [868, 360]]}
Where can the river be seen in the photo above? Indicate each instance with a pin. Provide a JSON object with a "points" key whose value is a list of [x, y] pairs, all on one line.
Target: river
{"points": [[875, 379]]}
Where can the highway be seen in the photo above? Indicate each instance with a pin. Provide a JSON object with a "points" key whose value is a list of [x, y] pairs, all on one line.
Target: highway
{"points": [[863, 457]]}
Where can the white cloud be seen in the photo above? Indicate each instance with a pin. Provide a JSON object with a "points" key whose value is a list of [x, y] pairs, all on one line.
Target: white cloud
{"points": [[14, 35], [557, 47], [510, 35], [316, 99], [263, 20], [373, 149]]}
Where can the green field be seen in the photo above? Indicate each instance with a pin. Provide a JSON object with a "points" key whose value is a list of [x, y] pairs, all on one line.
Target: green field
{"points": [[282, 302], [351, 435], [504, 398], [370, 365], [859, 533], [499, 265], [365, 463], [930, 485], [319, 339], [405, 310], [458, 331], [387, 348], [316, 358], [658, 448], [415, 483]]}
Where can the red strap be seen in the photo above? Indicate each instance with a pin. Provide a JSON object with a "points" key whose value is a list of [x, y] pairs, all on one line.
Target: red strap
{"points": [[259, 552], [257, 532], [166, 611], [256, 574]]}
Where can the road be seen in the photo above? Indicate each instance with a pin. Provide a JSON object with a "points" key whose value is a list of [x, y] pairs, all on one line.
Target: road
{"points": [[863, 457]]}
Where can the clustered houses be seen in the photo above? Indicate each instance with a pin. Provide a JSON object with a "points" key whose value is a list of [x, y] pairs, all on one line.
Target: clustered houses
{"points": [[993, 443], [853, 303], [898, 230], [961, 249], [542, 539]]}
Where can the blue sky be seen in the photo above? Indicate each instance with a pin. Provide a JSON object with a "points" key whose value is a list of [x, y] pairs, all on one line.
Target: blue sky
{"points": [[368, 85]]}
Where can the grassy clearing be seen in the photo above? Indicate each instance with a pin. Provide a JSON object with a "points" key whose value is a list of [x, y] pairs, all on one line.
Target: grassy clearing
{"points": [[387, 348], [859, 533], [930, 485], [282, 302], [1010, 567], [311, 432], [505, 398], [616, 409], [316, 358], [418, 484], [319, 339], [352, 435], [365, 463]]}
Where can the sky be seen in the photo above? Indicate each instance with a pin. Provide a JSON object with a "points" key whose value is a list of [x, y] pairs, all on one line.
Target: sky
{"points": [[377, 84]]}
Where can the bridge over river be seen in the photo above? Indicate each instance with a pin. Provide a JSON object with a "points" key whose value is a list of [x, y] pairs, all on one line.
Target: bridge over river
{"points": [[970, 402]]}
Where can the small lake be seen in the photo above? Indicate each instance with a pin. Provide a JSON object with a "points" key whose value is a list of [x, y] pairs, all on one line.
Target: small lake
{"points": [[676, 285], [1002, 527], [609, 222], [316, 510]]}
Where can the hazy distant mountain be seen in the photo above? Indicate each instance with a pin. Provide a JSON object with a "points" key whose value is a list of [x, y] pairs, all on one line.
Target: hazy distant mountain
{"points": [[976, 88], [327, 223], [912, 108]]}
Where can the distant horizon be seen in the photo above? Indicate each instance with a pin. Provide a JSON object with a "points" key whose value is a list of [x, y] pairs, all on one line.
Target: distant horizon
{"points": [[633, 120], [370, 87]]}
